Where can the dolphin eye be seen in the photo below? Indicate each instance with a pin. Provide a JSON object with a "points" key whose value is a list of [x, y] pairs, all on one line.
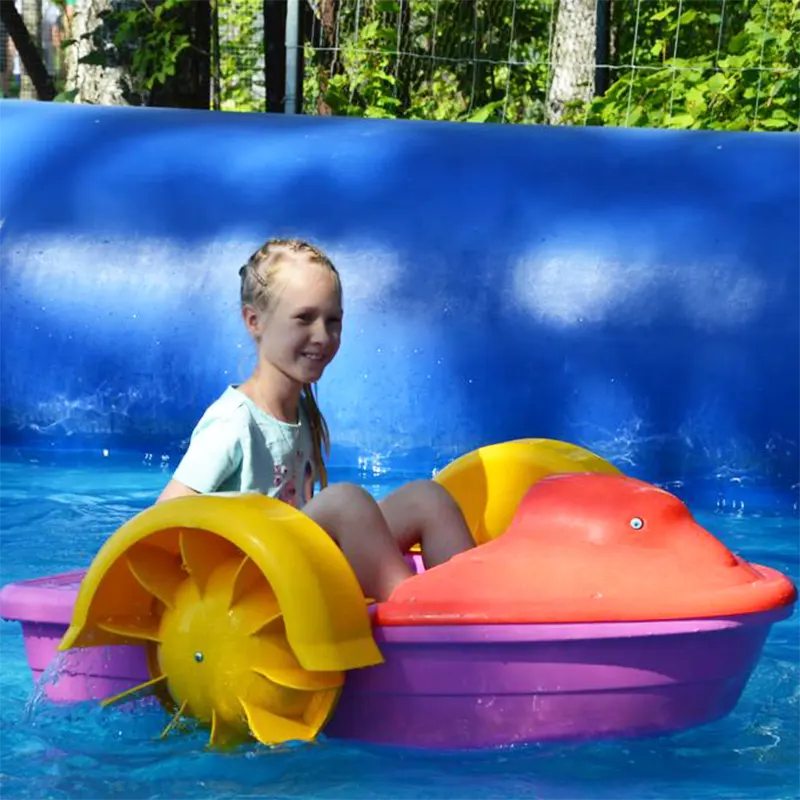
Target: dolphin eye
{"points": [[637, 523]]}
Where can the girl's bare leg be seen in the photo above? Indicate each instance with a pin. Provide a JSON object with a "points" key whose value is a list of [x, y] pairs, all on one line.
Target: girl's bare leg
{"points": [[354, 520], [424, 512]]}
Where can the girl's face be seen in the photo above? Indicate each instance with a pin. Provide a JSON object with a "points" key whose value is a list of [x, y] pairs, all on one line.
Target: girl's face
{"points": [[300, 332]]}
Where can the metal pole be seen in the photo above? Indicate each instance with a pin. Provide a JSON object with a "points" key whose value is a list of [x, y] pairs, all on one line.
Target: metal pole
{"points": [[602, 48], [292, 39]]}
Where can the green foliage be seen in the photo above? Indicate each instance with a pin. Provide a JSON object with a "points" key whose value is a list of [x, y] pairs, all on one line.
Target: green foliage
{"points": [[725, 64], [745, 76], [241, 61], [441, 60], [145, 38], [66, 97], [697, 63]]}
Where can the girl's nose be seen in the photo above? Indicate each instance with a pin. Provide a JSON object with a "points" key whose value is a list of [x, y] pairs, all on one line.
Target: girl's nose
{"points": [[320, 333]]}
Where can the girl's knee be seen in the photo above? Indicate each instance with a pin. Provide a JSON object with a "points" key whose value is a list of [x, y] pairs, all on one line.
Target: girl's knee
{"points": [[342, 506], [346, 493], [428, 494]]}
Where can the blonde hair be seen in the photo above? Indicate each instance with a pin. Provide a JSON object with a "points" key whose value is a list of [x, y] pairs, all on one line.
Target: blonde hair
{"points": [[258, 279]]}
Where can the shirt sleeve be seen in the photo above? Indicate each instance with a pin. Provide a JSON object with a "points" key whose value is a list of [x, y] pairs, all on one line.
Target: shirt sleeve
{"points": [[214, 454]]}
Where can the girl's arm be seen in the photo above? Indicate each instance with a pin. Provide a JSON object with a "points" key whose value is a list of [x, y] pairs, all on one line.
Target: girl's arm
{"points": [[214, 454], [175, 489]]}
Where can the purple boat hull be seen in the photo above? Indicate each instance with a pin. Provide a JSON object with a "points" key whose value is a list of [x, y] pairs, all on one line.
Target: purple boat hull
{"points": [[488, 686], [468, 686]]}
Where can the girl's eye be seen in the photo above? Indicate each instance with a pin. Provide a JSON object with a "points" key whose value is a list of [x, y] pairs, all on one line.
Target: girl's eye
{"points": [[306, 319]]}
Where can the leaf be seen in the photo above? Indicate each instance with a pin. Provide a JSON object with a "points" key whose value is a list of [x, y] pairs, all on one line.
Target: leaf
{"points": [[694, 97], [66, 97], [738, 42], [658, 16], [636, 114], [485, 112], [680, 121], [94, 59], [739, 124], [716, 82], [687, 17], [774, 123]]}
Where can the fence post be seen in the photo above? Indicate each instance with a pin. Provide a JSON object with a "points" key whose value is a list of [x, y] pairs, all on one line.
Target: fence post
{"points": [[292, 44], [275, 54], [602, 48]]}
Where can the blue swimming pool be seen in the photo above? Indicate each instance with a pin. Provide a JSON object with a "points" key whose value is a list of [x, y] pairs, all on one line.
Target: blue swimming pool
{"points": [[57, 508]]}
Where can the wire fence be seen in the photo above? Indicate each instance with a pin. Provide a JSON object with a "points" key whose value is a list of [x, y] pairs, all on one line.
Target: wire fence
{"points": [[666, 63], [678, 63]]}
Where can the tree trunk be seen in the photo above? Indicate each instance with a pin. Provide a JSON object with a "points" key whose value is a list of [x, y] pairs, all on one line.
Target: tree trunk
{"points": [[95, 84], [328, 11], [29, 55], [111, 83], [32, 16], [572, 57]]}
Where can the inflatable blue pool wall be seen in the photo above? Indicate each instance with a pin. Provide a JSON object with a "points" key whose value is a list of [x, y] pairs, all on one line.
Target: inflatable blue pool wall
{"points": [[633, 291]]}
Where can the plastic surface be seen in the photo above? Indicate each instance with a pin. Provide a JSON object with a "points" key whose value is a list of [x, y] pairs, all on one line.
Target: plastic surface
{"points": [[591, 548], [489, 483], [662, 625], [44, 608], [248, 610], [48, 600], [306, 570], [481, 686], [633, 291]]}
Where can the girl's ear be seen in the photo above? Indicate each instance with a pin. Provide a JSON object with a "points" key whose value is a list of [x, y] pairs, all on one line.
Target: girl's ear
{"points": [[252, 320]]}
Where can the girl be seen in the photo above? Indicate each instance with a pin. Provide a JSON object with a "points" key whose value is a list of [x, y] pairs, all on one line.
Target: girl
{"points": [[267, 434]]}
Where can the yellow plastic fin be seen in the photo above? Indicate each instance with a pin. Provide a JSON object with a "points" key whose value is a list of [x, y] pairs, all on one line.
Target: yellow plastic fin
{"points": [[489, 483], [277, 663], [258, 609], [269, 728], [248, 577], [224, 735], [137, 692], [158, 571], [202, 553], [308, 574], [146, 628], [176, 717], [298, 678]]}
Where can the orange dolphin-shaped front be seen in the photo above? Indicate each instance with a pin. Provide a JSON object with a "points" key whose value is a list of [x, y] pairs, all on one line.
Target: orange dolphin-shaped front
{"points": [[590, 548]]}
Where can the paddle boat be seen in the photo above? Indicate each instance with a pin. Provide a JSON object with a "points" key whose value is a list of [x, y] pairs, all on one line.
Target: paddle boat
{"points": [[594, 606]]}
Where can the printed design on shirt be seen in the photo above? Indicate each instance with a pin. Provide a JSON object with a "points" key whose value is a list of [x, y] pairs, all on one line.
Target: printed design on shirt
{"points": [[286, 481], [285, 484]]}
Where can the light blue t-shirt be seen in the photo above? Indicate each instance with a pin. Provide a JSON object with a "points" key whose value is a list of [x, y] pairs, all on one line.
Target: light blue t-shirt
{"points": [[237, 447]]}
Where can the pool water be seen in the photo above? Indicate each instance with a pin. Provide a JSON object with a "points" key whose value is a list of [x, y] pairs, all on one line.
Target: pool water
{"points": [[58, 508]]}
